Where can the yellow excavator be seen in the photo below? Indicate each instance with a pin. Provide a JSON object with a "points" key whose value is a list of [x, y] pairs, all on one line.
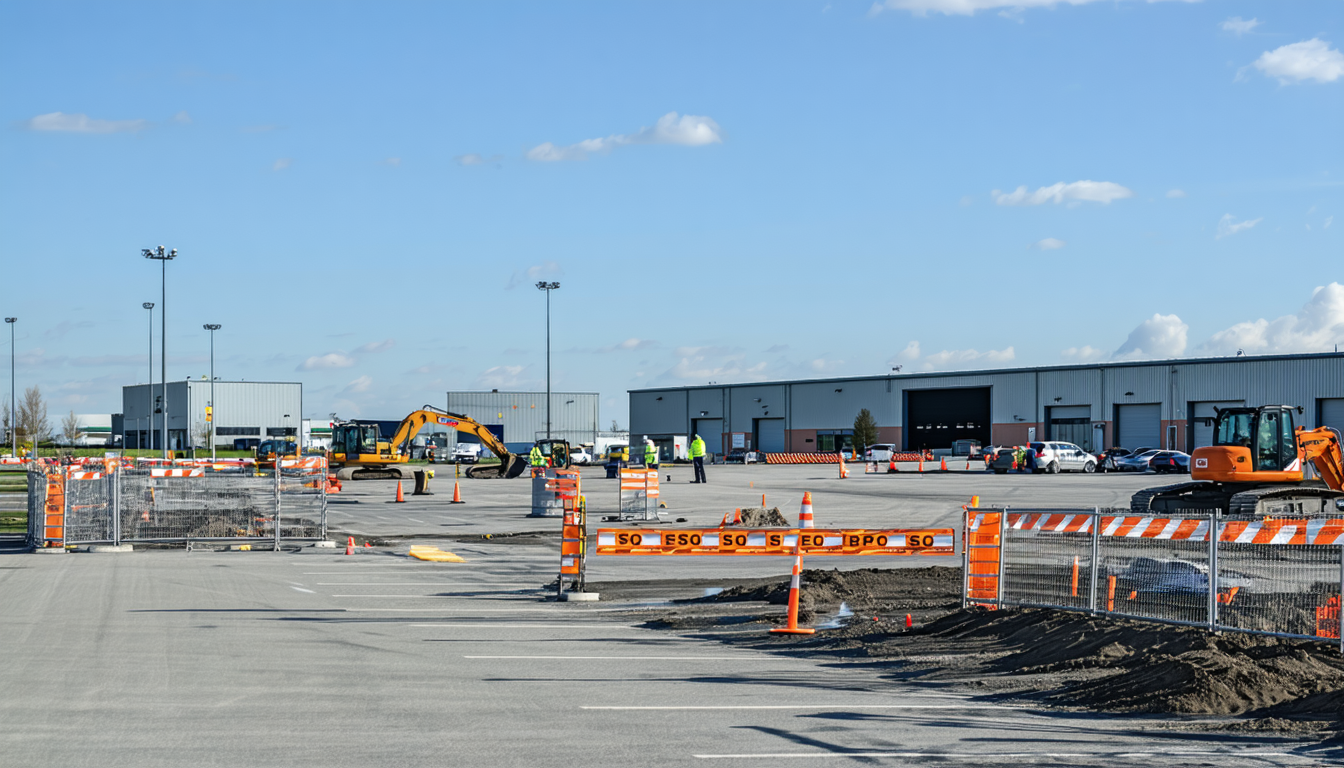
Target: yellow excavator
{"points": [[359, 453], [1256, 467]]}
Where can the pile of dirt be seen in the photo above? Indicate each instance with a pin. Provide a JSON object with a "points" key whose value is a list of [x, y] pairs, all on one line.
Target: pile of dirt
{"points": [[759, 517], [927, 592]]}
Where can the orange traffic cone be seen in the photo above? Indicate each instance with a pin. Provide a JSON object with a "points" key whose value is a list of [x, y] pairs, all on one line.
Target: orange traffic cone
{"points": [[968, 465], [731, 518], [400, 496], [943, 468], [457, 494], [805, 514], [892, 467], [368, 545], [975, 502], [921, 466], [350, 546], [909, 622], [793, 628]]}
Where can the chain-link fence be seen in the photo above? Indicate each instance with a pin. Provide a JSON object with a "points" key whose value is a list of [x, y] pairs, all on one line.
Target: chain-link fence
{"points": [[118, 503], [1270, 576]]}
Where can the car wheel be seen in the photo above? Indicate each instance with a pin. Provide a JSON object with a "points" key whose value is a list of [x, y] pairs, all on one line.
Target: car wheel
{"points": [[1053, 468], [1089, 467]]}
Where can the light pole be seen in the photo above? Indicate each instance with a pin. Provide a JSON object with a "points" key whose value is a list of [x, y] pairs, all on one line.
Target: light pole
{"points": [[210, 416], [548, 287], [163, 257], [13, 394], [149, 400]]}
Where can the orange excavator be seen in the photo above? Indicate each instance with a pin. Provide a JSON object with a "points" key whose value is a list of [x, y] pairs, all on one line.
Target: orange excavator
{"points": [[361, 454], [1257, 466]]}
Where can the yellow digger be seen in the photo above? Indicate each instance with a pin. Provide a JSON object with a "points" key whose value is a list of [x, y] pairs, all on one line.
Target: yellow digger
{"points": [[359, 453]]}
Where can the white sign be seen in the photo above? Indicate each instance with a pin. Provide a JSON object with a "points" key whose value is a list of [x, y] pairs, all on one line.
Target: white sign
{"points": [[739, 440]]}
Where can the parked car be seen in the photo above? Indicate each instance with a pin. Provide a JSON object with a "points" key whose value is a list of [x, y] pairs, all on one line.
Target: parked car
{"points": [[1137, 461], [744, 456], [580, 455], [1054, 457], [1170, 461], [467, 453], [1004, 459], [1168, 575], [879, 452], [992, 452], [1106, 460]]}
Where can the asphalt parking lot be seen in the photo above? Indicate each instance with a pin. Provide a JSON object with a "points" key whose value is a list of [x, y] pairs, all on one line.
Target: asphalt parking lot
{"points": [[311, 657]]}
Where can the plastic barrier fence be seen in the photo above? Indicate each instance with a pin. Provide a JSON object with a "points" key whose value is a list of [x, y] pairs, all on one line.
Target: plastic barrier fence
{"points": [[1276, 576], [775, 541], [834, 458]]}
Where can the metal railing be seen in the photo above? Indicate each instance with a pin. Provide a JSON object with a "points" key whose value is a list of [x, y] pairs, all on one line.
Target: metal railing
{"points": [[1270, 576], [118, 504]]}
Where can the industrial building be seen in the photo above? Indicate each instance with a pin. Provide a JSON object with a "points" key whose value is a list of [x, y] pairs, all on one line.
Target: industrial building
{"points": [[1133, 404], [519, 418], [245, 413]]}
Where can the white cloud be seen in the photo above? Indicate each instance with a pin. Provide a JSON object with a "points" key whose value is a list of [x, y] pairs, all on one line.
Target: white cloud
{"points": [[1090, 191], [80, 123], [473, 158], [966, 358], [394, 162], [501, 377], [1308, 60], [1239, 26], [1083, 354], [908, 355], [629, 345], [182, 118], [1227, 226], [697, 369], [281, 164], [362, 384], [536, 272], [1316, 328], [1175, 193], [1049, 244], [330, 360], [1328, 221], [377, 346], [683, 130], [1160, 336], [969, 7]]}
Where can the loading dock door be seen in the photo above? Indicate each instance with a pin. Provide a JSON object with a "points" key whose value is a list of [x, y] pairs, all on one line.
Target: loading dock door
{"points": [[711, 431], [1072, 424], [770, 435], [1201, 434], [1332, 413], [1139, 426]]}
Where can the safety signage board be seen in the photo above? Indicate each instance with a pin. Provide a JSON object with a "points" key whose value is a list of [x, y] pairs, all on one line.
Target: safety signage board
{"points": [[774, 541]]}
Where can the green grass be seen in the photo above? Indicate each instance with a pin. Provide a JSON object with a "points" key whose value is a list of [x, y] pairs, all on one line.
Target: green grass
{"points": [[13, 522]]}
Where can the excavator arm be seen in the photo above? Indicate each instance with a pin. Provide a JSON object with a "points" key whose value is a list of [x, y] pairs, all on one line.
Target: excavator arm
{"points": [[510, 464], [1322, 447]]}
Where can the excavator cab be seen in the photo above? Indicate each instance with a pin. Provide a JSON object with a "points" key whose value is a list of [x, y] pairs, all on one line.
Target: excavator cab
{"points": [[1248, 443], [350, 441], [556, 451]]}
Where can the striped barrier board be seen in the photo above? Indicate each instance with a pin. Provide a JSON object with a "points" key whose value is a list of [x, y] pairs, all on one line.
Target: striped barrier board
{"points": [[774, 541], [834, 458], [1318, 532], [177, 473]]}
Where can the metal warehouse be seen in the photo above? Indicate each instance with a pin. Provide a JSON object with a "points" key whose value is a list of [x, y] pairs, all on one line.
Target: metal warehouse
{"points": [[249, 411], [1153, 404], [519, 418]]}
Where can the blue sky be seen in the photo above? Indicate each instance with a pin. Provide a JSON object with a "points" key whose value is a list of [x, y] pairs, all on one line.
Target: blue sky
{"points": [[363, 194]]}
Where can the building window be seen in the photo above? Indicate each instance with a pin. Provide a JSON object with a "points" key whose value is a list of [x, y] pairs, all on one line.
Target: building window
{"points": [[832, 440], [253, 431], [280, 432]]}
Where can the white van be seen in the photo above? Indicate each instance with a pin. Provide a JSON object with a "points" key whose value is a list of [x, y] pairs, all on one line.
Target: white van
{"points": [[879, 452], [467, 453]]}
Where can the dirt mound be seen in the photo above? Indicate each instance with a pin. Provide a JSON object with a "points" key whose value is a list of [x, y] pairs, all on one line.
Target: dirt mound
{"points": [[759, 517], [866, 591]]}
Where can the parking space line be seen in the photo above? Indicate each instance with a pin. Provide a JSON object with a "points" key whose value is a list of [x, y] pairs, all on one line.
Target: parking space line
{"points": [[524, 625], [978, 756], [816, 707], [634, 658]]}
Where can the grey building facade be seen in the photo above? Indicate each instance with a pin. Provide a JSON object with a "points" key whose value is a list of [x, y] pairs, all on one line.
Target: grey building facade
{"points": [[250, 411], [519, 418], [1141, 404]]}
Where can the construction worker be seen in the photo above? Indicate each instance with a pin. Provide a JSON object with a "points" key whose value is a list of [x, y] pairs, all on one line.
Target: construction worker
{"points": [[537, 459], [698, 457], [650, 454]]}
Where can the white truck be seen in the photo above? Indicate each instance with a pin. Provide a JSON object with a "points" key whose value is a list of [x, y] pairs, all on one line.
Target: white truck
{"points": [[467, 453]]}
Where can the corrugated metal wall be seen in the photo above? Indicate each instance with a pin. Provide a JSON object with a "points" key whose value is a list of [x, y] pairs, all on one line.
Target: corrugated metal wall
{"points": [[238, 404], [574, 415]]}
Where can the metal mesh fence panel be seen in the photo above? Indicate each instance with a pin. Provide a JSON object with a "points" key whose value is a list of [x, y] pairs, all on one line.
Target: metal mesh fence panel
{"points": [[1161, 579], [209, 507], [37, 503], [1048, 560], [88, 508], [303, 503], [1278, 588]]}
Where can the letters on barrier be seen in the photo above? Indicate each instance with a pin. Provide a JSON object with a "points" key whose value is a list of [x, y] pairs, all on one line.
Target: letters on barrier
{"points": [[774, 541]]}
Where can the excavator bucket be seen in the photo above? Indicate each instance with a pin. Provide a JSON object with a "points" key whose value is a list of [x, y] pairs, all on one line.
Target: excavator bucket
{"points": [[512, 465]]}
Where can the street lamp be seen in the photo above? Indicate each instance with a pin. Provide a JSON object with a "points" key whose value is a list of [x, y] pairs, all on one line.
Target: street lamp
{"points": [[13, 393], [149, 399], [548, 287], [210, 415], [163, 257]]}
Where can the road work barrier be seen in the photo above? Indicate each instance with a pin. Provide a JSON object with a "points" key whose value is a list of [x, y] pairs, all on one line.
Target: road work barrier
{"points": [[835, 458], [553, 491], [118, 501], [638, 497], [1272, 576]]}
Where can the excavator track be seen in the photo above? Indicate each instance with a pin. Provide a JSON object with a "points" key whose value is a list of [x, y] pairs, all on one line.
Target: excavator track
{"points": [[1279, 500], [1168, 499]]}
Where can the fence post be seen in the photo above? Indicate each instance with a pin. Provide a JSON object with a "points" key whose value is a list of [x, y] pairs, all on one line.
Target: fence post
{"points": [[1340, 614], [966, 555], [1212, 579], [277, 503], [322, 483], [116, 505], [1003, 554], [1096, 552]]}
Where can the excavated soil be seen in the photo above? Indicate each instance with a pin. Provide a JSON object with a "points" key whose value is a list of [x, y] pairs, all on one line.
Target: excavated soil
{"points": [[1048, 658], [759, 517]]}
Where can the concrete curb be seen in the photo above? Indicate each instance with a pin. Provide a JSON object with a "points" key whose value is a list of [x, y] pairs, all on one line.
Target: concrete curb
{"points": [[324, 544], [49, 550], [579, 597], [101, 548]]}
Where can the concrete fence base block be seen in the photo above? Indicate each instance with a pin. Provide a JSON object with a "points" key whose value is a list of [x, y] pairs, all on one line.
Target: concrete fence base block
{"points": [[100, 548], [556, 512], [49, 550], [324, 544], [579, 597]]}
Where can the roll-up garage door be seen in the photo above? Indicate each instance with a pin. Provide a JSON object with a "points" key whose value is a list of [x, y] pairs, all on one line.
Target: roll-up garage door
{"points": [[1332, 413], [1072, 424], [711, 431], [1139, 426], [770, 435], [1202, 434]]}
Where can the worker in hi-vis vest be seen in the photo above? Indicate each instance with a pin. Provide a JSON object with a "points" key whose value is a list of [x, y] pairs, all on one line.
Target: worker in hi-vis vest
{"points": [[650, 454], [698, 457], [537, 459]]}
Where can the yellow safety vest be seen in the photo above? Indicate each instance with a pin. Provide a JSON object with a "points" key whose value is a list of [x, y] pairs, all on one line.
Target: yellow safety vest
{"points": [[537, 459], [697, 448], [650, 454]]}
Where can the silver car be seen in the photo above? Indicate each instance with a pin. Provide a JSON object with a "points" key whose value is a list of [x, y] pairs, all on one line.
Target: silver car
{"points": [[1054, 457], [1136, 462]]}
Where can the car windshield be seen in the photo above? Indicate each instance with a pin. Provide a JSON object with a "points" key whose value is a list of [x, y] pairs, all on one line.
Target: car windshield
{"points": [[1235, 429]]}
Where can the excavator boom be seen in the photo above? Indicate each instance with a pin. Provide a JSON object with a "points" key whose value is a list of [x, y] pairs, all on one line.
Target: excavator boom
{"points": [[1322, 447], [510, 464]]}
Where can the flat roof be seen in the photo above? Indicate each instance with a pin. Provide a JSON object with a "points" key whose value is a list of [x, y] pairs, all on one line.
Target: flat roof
{"points": [[1002, 371]]}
